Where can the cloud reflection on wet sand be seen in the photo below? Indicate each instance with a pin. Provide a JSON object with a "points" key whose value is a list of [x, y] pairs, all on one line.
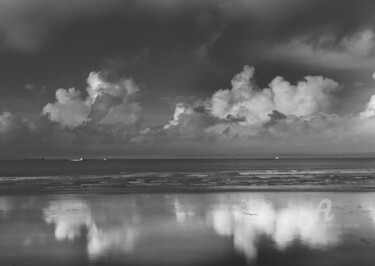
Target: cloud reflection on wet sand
{"points": [[158, 227], [251, 220], [73, 217]]}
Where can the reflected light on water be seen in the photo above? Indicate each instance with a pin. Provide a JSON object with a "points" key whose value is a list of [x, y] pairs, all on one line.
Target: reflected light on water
{"points": [[69, 218], [182, 228], [249, 221], [72, 217]]}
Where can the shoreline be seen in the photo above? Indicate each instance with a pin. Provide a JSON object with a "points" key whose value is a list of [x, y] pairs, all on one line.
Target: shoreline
{"points": [[356, 180], [183, 190]]}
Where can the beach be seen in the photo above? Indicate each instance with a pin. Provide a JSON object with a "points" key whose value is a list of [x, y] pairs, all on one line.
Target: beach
{"points": [[186, 175], [187, 133], [232, 228], [188, 212]]}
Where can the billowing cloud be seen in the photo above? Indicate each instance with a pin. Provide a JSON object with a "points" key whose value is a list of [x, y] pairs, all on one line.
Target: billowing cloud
{"points": [[369, 112], [178, 112], [107, 103], [243, 100], [370, 109], [69, 109], [125, 112], [281, 116], [286, 40], [300, 115], [120, 89], [247, 106], [308, 97]]}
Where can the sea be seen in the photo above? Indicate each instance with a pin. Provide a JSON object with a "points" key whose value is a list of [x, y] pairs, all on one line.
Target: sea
{"points": [[198, 174], [55, 167], [211, 211]]}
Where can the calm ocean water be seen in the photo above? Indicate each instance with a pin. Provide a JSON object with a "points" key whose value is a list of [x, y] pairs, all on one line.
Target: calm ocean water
{"points": [[108, 167]]}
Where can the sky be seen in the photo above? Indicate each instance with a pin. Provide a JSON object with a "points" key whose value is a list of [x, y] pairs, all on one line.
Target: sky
{"points": [[186, 77]]}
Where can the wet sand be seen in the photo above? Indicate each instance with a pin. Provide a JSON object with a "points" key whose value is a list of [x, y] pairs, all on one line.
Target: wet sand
{"points": [[259, 217], [252, 228]]}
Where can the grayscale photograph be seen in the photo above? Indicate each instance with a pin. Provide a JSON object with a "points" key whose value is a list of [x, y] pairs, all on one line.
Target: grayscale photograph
{"points": [[187, 132]]}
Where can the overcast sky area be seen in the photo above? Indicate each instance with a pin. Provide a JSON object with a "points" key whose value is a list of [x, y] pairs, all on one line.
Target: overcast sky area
{"points": [[186, 77]]}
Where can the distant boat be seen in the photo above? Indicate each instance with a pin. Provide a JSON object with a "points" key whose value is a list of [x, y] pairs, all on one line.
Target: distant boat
{"points": [[276, 158], [76, 159]]}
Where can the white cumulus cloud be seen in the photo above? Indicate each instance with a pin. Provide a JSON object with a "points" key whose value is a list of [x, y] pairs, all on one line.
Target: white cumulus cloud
{"points": [[114, 103], [282, 116], [308, 97], [69, 110], [370, 109], [244, 100], [120, 89]]}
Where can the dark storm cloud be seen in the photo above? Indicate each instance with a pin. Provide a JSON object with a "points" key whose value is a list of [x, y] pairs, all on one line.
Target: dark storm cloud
{"points": [[308, 55], [26, 24], [323, 25], [274, 117], [181, 46], [225, 26]]}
